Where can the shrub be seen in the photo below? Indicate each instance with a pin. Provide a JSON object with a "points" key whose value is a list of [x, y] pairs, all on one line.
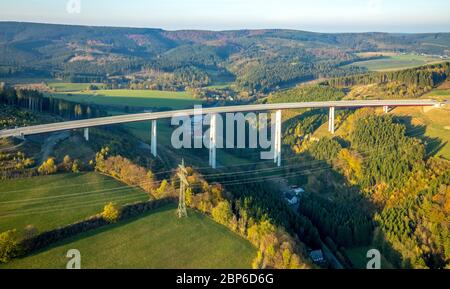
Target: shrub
{"points": [[9, 246], [111, 213], [76, 166], [48, 167]]}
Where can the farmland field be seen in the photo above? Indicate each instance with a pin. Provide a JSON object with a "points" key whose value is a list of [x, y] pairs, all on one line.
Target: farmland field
{"points": [[396, 62], [135, 98], [48, 202], [156, 240]]}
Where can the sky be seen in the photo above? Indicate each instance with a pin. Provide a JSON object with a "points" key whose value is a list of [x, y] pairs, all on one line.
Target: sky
{"points": [[313, 15]]}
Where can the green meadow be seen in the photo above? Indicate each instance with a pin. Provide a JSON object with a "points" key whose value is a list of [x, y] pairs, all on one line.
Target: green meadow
{"points": [[48, 202], [131, 98], [155, 240]]}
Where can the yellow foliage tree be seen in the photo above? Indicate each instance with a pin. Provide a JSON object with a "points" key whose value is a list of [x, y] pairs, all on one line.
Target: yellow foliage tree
{"points": [[222, 213], [48, 167], [162, 190], [111, 213], [350, 164]]}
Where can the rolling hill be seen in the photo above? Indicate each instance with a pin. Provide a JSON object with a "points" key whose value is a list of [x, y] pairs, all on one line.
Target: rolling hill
{"points": [[260, 60]]}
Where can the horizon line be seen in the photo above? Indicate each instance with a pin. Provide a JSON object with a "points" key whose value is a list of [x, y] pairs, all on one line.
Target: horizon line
{"points": [[216, 30]]}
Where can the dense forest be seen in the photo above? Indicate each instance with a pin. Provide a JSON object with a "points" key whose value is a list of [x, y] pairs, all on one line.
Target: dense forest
{"points": [[396, 84], [382, 190], [36, 101]]}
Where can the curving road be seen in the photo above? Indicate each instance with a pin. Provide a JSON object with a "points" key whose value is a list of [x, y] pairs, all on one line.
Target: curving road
{"points": [[85, 123]]}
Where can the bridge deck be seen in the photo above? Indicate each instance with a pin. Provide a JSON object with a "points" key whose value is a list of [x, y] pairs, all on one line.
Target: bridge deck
{"points": [[85, 123]]}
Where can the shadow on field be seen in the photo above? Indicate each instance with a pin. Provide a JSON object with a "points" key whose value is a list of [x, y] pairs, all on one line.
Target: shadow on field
{"points": [[432, 144], [101, 230]]}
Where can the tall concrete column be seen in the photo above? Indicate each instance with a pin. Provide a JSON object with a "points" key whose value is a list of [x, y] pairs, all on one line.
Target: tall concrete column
{"points": [[213, 141], [86, 134], [331, 120], [385, 109], [277, 136], [153, 139]]}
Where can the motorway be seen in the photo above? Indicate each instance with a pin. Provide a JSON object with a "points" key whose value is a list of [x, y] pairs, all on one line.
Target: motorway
{"points": [[86, 123]]}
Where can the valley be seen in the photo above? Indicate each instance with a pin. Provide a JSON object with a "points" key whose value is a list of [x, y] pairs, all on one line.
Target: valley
{"points": [[380, 181]]}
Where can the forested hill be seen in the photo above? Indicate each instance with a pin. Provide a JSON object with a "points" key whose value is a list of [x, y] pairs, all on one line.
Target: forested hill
{"points": [[259, 60]]}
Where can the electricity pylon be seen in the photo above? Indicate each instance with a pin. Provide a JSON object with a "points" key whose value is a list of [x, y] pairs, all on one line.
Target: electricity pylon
{"points": [[182, 173]]}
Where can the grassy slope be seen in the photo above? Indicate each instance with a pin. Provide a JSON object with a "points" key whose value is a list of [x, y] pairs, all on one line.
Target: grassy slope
{"points": [[437, 121], [137, 98], [156, 240], [396, 62], [48, 202]]}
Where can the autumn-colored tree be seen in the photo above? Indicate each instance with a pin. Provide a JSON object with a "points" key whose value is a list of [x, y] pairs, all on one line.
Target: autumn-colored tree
{"points": [[76, 166], [257, 263], [188, 195], [111, 213], [350, 163], [162, 190], [48, 167], [125, 170], [67, 163], [100, 158], [222, 213], [9, 245]]}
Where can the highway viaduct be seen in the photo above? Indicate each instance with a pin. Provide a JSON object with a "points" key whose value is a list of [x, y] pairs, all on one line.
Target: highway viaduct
{"points": [[213, 111]]}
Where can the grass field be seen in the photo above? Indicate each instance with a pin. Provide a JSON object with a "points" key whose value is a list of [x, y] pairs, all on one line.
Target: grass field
{"points": [[135, 98], [439, 94], [156, 240], [68, 86], [48, 202], [396, 62]]}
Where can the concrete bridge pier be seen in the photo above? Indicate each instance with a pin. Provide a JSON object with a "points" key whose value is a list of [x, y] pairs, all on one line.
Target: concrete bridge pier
{"points": [[385, 109], [86, 134], [153, 143], [277, 149], [213, 141], [331, 120]]}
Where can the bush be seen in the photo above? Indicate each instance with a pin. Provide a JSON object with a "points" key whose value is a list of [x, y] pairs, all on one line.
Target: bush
{"points": [[76, 166], [9, 246], [111, 213], [48, 167]]}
